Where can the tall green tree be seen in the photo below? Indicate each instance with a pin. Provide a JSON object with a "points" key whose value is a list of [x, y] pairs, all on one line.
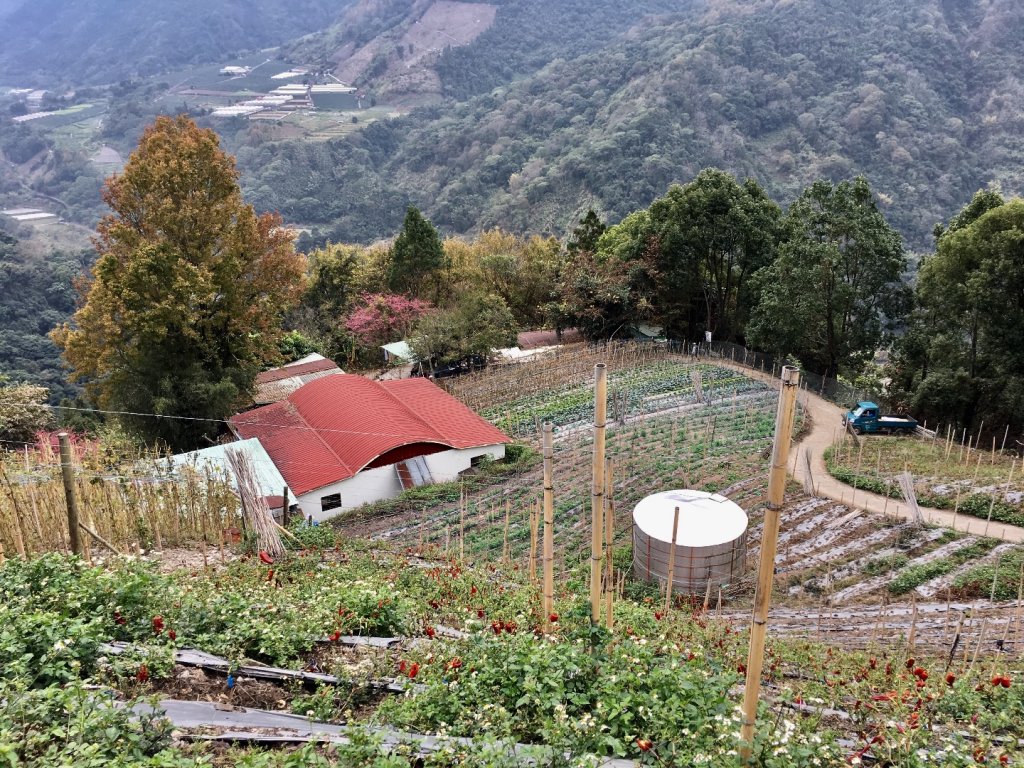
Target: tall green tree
{"points": [[476, 325], [602, 291], [962, 359], [836, 289], [714, 235], [185, 302], [585, 236], [417, 258]]}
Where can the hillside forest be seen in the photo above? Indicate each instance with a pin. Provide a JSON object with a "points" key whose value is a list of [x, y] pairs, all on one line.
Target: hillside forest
{"points": [[200, 279], [772, 174]]}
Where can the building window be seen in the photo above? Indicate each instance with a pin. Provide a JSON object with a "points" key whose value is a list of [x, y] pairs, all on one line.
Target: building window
{"points": [[480, 461], [333, 501]]}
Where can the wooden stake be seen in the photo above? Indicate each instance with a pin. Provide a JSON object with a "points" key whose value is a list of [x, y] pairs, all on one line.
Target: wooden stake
{"points": [[68, 474], [504, 545], [609, 541], [284, 506], [769, 544], [549, 523], [99, 538], [534, 525], [1006, 490], [913, 625], [597, 490], [671, 562], [955, 643], [463, 503], [977, 648], [1006, 434]]}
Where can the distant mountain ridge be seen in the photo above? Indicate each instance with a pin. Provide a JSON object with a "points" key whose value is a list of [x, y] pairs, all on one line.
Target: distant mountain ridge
{"points": [[925, 98], [83, 42]]}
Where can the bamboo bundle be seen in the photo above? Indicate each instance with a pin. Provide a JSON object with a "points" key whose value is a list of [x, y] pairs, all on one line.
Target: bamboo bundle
{"points": [[254, 505]]}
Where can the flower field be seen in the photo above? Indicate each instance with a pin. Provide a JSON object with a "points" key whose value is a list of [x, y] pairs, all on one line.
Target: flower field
{"points": [[660, 689]]}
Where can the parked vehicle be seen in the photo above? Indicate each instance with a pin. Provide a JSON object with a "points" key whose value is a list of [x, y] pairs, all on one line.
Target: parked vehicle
{"points": [[867, 418]]}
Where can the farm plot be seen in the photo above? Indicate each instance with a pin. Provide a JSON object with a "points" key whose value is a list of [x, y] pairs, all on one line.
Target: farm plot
{"points": [[654, 388], [830, 557], [713, 447]]}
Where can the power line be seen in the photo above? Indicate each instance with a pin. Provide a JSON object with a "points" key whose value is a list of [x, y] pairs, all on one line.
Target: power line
{"points": [[209, 420]]}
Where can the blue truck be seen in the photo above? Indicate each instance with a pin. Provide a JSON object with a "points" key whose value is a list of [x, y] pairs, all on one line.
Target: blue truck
{"points": [[867, 417]]}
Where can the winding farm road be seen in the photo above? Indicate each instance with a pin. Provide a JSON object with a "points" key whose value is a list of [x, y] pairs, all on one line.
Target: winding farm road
{"points": [[825, 420]]}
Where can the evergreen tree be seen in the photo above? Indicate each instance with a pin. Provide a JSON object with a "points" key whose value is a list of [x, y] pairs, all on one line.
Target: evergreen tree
{"points": [[417, 257]]}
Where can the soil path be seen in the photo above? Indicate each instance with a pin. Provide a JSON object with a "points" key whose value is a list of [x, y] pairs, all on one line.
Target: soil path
{"points": [[825, 422]]}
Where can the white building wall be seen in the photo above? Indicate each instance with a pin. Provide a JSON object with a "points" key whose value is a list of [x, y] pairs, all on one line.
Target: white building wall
{"points": [[368, 486], [446, 466], [382, 483]]}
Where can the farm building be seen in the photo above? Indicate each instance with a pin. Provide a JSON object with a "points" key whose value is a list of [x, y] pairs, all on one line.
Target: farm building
{"points": [[342, 441], [214, 461], [399, 353], [277, 383]]}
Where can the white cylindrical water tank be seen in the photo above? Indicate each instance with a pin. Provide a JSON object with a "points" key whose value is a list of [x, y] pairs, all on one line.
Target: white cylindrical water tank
{"points": [[711, 542]]}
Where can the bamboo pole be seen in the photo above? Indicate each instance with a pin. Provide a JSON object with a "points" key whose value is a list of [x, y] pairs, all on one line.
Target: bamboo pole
{"points": [[769, 544], [504, 544], [534, 525], [68, 475], [549, 522], [1006, 490], [463, 503], [1016, 621], [609, 541], [597, 490], [671, 562]]}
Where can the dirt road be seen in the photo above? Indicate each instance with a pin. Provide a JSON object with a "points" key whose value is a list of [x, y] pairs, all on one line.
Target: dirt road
{"points": [[825, 421]]}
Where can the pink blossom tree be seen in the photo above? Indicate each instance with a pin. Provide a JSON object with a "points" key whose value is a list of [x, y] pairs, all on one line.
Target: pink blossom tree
{"points": [[384, 317]]}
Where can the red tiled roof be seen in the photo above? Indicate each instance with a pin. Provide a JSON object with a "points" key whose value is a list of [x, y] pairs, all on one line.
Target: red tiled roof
{"points": [[333, 427], [287, 371], [536, 339]]}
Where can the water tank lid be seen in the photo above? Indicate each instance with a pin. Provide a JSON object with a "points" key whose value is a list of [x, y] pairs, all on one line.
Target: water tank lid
{"points": [[705, 519]]}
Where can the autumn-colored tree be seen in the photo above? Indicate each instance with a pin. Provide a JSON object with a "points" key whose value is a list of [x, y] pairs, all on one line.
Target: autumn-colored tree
{"points": [[185, 301], [23, 413]]}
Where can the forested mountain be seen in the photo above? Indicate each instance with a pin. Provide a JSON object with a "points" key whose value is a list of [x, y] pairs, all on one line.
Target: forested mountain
{"points": [[37, 296], [97, 41], [924, 98], [413, 47]]}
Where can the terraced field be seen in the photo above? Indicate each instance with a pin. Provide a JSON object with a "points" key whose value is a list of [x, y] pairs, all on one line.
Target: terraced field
{"points": [[859, 576]]}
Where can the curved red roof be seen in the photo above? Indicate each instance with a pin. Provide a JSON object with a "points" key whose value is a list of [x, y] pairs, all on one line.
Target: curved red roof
{"points": [[331, 428]]}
